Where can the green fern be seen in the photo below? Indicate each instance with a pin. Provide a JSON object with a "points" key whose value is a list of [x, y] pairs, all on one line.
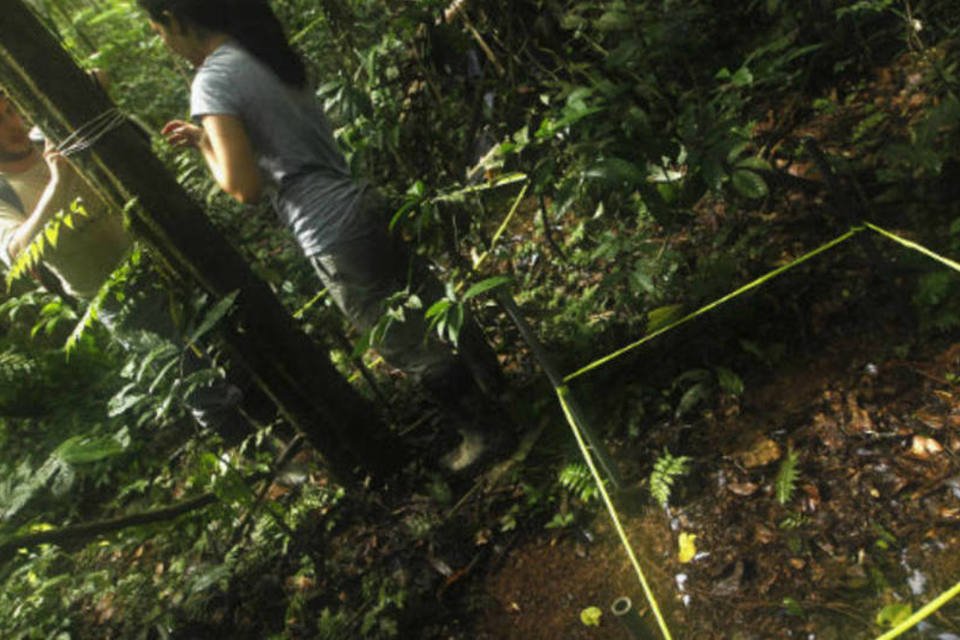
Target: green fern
{"points": [[32, 254], [90, 314], [577, 479], [665, 472], [14, 367], [16, 371], [786, 482]]}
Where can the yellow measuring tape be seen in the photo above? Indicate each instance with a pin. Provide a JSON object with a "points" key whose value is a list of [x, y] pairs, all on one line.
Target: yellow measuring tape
{"points": [[900, 629], [713, 305], [584, 450], [913, 245]]}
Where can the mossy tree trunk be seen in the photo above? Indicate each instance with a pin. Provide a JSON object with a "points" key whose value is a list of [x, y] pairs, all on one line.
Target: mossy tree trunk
{"points": [[296, 373]]}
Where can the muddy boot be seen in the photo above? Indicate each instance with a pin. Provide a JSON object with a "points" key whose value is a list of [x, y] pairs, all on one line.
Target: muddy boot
{"points": [[217, 408], [479, 423]]}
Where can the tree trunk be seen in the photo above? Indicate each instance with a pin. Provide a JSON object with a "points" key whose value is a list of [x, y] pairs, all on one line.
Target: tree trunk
{"points": [[295, 372]]}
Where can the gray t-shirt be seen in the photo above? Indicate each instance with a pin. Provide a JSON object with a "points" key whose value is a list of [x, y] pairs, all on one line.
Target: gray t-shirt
{"points": [[315, 195]]}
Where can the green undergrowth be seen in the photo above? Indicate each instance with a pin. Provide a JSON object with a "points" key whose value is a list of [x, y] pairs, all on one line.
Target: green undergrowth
{"points": [[663, 163]]}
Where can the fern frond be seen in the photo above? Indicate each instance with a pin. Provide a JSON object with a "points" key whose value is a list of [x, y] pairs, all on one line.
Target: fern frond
{"points": [[665, 472], [91, 313], [787, 475], [15, 370], [577, 479], [49, 236], [14, 367]]}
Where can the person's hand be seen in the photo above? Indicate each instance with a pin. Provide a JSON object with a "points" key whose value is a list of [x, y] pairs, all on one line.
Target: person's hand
{"points": [[55, 160], [182, 134]]}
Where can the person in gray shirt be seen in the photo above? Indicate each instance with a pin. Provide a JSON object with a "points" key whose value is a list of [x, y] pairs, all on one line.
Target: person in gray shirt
{"points": [[263, 134]]}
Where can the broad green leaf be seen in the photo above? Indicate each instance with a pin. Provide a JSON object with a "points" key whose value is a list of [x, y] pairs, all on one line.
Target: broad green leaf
{"points": [[616, 170], [160, 352], [122, 402], [454, 323], [485, 285], [663, 316], [729, 381], [754, 162], [214, 315], [692, 397], [669, 191], [742, 78], [547, 129], [161, 375], [691, 376], [418, 189], [893, 614], [736, 150], [614, 21], [749, 184], [438, 308], [84, 449]]}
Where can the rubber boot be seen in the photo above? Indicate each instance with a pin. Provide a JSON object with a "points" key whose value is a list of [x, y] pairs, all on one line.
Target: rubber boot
{"points": [[474, 416]]}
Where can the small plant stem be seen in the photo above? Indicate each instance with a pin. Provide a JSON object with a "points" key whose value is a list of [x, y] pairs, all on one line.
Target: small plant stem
{"points": [[548, 232], [502, 227], [281, 460]]}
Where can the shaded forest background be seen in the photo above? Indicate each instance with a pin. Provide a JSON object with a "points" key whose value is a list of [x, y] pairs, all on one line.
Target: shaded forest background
{"points": [[668, 152]]}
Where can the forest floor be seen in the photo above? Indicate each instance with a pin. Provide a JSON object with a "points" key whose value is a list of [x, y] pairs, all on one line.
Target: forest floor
{"points": [[875, 521], [844, 384], [869, 407]]}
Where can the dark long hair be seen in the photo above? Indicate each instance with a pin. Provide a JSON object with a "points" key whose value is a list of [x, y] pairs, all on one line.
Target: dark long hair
{"points": [[252, 23]]}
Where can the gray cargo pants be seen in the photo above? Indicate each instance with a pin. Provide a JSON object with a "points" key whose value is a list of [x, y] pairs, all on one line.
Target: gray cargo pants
{"points": [[362, 273]]}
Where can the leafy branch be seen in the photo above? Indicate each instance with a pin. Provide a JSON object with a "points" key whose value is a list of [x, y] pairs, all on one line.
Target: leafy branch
{"points": [[49, 236]]}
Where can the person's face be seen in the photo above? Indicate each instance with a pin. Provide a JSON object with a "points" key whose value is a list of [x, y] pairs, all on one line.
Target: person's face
{"points": [[15, 141], [178, 39]]}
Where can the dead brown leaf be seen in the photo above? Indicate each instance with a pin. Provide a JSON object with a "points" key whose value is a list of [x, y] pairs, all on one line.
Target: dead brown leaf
{"points": [[743, 488], [930, 418], [762, 451], [826, 428], [860, 419], [924, 447]]}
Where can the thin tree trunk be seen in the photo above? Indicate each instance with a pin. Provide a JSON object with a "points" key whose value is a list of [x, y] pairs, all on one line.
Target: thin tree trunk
{"points": [[294, 371]]}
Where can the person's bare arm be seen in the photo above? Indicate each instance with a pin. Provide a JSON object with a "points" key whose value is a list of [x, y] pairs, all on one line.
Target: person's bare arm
{"points": [[226, 147], [55, 197]]}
